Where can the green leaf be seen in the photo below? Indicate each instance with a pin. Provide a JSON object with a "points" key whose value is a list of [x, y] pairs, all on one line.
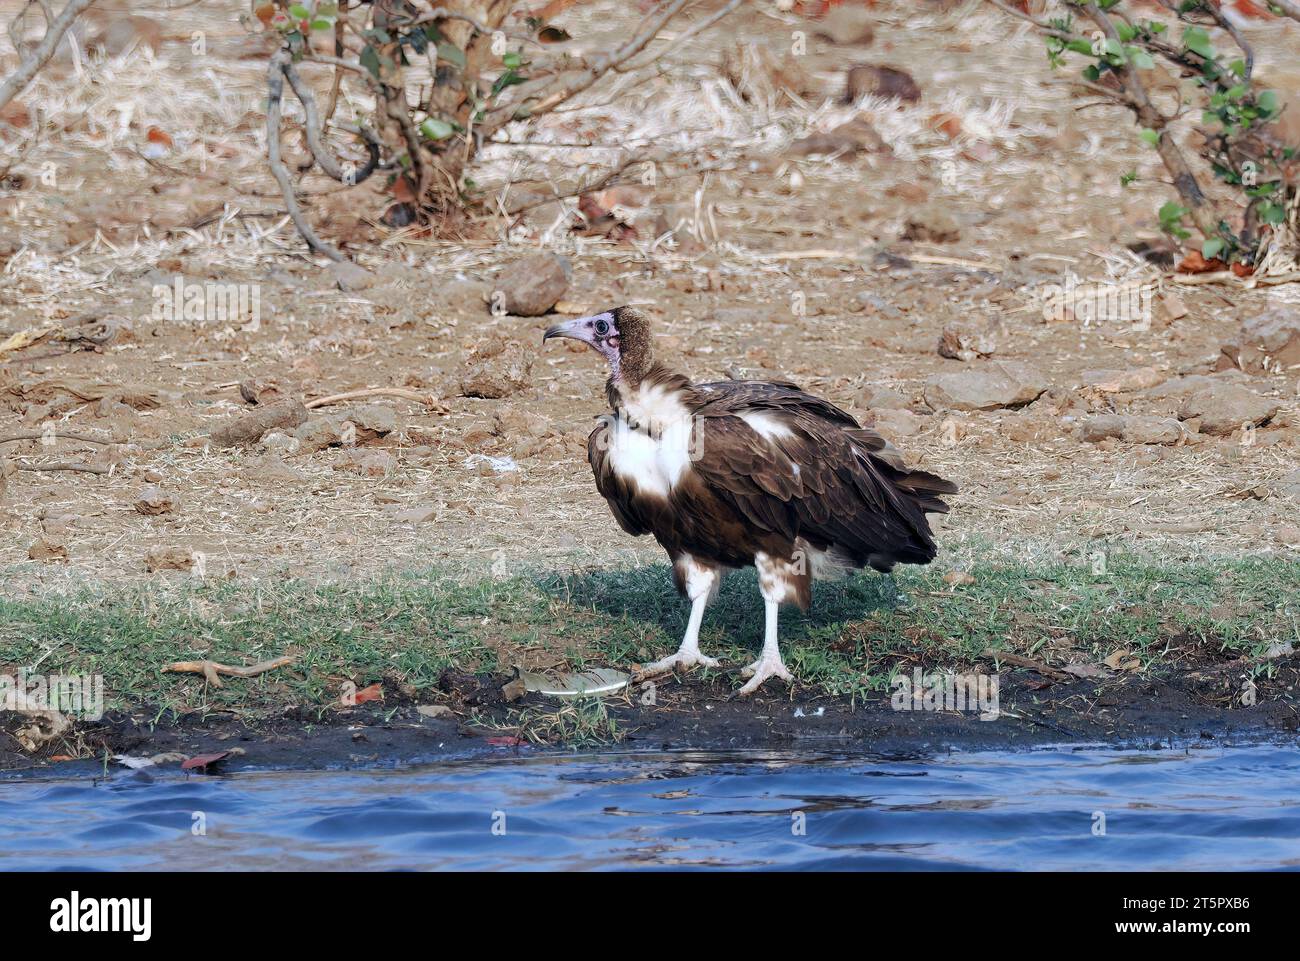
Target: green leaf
{"points": [[1142, 60], [1238, 67], [452, 54], [1198, 41], [1172, 212], [1267, 101], [1271, 213], [513, 60], [321, 24], [436, 129], [1151, 137], [1080, 46], [299, 12], [1212, 247], [370, 60]]}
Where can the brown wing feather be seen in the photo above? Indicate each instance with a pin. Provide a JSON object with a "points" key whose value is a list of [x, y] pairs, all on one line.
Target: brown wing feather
{"points": [[852, 489]]}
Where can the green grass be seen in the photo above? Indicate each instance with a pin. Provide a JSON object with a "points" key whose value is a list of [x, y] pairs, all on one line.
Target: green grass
{"points": [[407, 629]]}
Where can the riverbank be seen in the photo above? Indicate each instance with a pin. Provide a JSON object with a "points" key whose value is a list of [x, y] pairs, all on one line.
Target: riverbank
{"points": [[1093, 648]]}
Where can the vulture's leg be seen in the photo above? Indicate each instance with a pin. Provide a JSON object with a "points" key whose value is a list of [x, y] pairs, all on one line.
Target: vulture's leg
{"points": [[779, 581], [699, 582]]}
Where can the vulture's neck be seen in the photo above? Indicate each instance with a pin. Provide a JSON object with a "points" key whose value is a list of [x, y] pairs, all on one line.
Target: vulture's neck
{"points": [[650, 395]]}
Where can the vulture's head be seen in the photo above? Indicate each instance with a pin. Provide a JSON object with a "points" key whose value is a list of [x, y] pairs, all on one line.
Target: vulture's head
{"points": [[621, 335]]}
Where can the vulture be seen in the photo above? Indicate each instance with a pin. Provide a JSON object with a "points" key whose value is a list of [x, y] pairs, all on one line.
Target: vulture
{"points": [[735, 473]]}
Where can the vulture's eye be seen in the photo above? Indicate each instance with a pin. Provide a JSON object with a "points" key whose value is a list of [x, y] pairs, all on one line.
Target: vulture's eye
{"points": [[602, 327]]}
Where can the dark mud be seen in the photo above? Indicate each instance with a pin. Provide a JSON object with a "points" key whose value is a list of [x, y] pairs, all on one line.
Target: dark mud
{"points": [[693, 713]]}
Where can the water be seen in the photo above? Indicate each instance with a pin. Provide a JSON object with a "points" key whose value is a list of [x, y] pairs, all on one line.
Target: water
{"points": [[1233, 809]]}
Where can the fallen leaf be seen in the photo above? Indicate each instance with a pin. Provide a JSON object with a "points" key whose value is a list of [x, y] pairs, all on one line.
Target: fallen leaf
{"points": [[375, 692], [203, 760], [506, 740], [956, 578], [436, 710]]}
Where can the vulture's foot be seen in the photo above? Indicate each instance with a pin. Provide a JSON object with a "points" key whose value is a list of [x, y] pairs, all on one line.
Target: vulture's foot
{"points": [[682, 658], [758, 672]]}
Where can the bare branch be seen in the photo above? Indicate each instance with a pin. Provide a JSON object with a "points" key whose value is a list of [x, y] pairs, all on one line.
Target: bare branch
{"points": [[275, 94], [17, 82]]}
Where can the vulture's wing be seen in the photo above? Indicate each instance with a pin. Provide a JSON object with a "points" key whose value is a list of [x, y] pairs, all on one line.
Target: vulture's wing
{"points": [[614, 490], [798, 465]]}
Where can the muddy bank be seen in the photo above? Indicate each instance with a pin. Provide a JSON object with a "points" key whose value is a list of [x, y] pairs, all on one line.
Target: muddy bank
{"points": [[688, 713]]}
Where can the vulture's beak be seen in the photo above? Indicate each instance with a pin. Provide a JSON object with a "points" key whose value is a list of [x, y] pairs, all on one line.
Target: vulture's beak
{"points": [[581, 328]]}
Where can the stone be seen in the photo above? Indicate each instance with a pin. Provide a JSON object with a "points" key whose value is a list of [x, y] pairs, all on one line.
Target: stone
{"points": [[1123, 381], [1223, 408], [882, 398], [992, 385], [1268, 341], [1101, 427], [498, 370], [532, 286], [966, 342], [890, 83], [894, 423], [151, 500], [1140, 429]]}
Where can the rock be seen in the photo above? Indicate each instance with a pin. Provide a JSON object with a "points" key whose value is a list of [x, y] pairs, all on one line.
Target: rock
{"points": [[894, 423], [848, 26], [497, 370], [882, 398], [1153, 430], [1224, 408], [349, 276], [151, 500], [847, 139], [516, 423], [532, 286], [869, 80], [964, 341], [1288, 486], [932, 224], [1101, 427], [1001, 383], [260, 390], [168, 559], [317, 433], [414, 515], [370, 463], [1123, 381], [1271, 338], [249, 428], [45, 550], [370, 420]]}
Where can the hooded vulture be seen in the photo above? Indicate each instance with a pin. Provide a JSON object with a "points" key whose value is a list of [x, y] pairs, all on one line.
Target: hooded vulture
{"points": [[735, 473]]}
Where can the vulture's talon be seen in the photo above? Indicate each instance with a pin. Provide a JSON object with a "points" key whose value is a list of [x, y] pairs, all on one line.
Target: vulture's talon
{"points": [[666, 665], [760, 671]]}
